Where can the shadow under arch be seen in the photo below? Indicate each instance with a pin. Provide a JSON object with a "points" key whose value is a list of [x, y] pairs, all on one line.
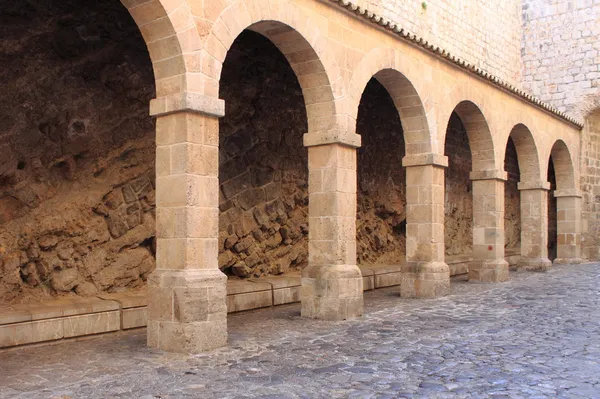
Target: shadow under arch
{"points": [[394, 73], [481, 142], [298, 39]]}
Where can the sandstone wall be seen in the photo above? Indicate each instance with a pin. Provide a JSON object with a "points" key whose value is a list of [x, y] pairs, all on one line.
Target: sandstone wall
{"points": [[485, 33], [77, 171]]}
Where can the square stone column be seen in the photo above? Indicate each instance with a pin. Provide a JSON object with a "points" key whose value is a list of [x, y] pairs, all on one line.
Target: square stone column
{"points": [[425, 274], [568, 203], [187, 309], [534, 226], [332, 285], [488, 264]]}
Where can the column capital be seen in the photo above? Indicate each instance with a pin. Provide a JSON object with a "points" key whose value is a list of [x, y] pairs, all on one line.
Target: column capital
{"points": [[332, 136], [534, 185], [569, 193], [187, 102], [425, 159], [489, 175]]}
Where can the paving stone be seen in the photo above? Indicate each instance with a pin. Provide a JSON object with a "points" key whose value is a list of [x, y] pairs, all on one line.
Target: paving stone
{"points": [[535, 336]]}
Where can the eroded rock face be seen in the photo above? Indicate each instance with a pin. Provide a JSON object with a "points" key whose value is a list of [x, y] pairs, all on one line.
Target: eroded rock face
{"points": [[77, 165], [512, 204], [459, 190], [263, 163], [381, 217], [552, 216]]}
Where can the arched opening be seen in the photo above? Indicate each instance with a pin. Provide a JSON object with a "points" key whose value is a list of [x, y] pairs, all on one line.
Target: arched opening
{"points": [[381, 218], [262, 162], [552, 214], [512, 203], [458, 210], [564, 207], [77, 175], [474, 220]]}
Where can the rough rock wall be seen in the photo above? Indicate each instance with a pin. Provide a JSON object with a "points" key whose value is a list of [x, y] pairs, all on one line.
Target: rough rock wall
{"points": [[263, 163], [76, 175], [512, 202], [381, 218], [552, 216], [458, 220]]}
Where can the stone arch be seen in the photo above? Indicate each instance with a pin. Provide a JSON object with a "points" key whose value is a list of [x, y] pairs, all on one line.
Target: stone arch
{"points": [[527, 153], [393, 70], [480, 137], [170, 33], [298, 39], [564, 167]]}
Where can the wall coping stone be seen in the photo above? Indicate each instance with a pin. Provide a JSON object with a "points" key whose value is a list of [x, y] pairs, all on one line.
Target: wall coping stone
{"points": [[187, 102], [441, 53], [538, 185], [425, 159]]}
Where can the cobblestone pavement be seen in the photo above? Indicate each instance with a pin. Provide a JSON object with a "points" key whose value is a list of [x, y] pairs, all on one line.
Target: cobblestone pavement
{"points": [[536, 336]]}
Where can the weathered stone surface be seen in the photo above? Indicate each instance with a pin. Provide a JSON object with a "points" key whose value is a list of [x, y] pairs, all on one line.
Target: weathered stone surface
{"points": [[81, 149], [381, 216], [263, 163]]}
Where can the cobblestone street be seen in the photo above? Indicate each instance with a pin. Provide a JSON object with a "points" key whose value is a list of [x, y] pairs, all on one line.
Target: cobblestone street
{"points": [[537, 336]]}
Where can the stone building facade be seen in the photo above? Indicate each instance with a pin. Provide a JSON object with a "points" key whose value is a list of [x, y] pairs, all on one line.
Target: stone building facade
{"points": [[561, 60], [284, 136]]}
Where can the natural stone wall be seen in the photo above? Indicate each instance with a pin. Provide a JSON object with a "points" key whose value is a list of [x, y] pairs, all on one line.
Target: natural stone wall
{"points": [[458, 221], [552, 213], [590, 186], [263, 163], [76, 175], [485, 33], [512, 203], [381, 217]]}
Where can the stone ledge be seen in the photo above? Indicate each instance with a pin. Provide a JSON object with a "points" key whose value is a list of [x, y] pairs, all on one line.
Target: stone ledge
{"points": [[79, 317]]}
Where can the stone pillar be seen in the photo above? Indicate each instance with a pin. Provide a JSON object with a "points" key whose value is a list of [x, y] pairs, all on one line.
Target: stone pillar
{"points": [[332, 285], [534, 226], [425, 274], [568, 203], [488, 264], [187, 312]]}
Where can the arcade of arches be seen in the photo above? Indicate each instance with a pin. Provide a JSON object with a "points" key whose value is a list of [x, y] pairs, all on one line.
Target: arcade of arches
{"points": [[275, 145]]}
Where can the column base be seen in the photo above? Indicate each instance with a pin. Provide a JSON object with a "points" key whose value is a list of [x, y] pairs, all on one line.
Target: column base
{"points": [[332, 292], [568, 261], [187, 310], [534, 264], [425, 280], [488, 271]]}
